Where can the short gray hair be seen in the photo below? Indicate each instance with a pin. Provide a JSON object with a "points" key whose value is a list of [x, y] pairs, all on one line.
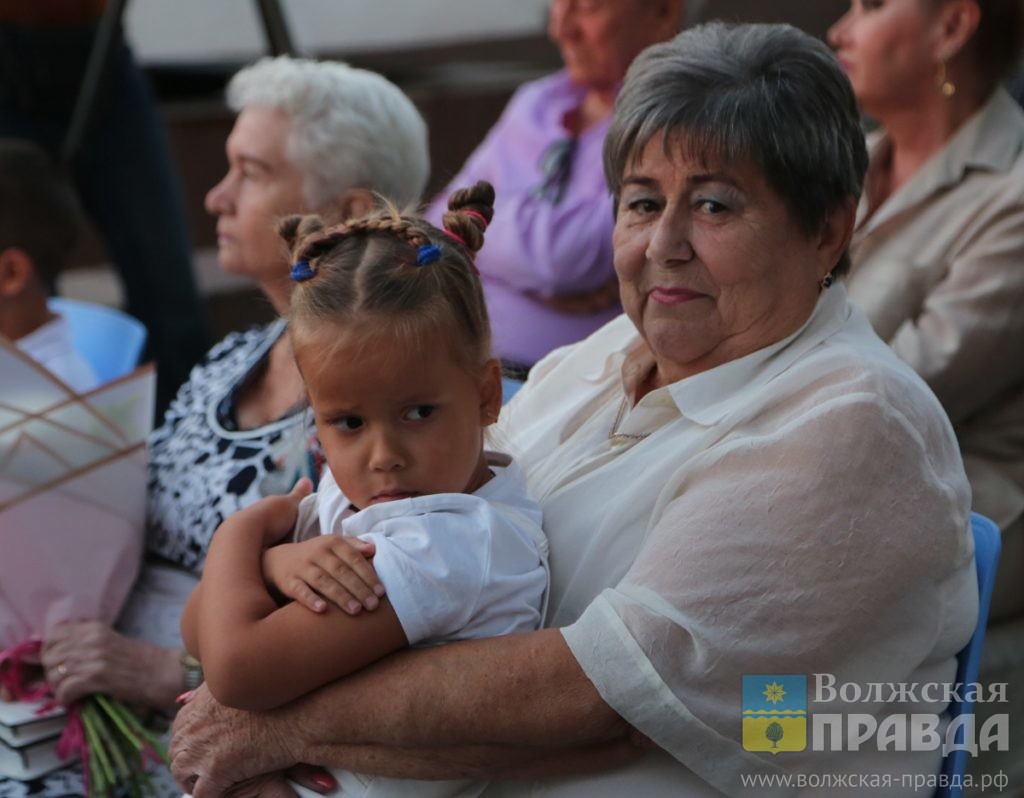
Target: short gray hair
{"points": [[350, 128], [770, 94]]}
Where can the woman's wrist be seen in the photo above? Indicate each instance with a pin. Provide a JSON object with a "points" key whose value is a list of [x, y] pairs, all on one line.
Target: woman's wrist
{"points": [[165, 677]]}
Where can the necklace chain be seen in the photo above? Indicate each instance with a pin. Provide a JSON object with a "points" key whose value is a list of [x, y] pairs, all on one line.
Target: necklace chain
{"points": [[614, 434]]}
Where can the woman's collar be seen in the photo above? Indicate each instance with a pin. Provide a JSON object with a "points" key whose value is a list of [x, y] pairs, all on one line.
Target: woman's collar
{"points": [[708, 397]]}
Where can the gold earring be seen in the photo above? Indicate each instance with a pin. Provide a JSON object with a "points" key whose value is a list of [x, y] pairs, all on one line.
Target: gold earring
{"points": [[946, 86]]}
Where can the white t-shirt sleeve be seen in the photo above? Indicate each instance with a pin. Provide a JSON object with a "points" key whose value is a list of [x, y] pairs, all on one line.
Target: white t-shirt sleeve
{"points": [[454, 565], [433, 565]]}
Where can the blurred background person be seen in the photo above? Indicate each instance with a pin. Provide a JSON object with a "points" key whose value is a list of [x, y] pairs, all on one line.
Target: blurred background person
{"points": [[938, 251], [39, 224], [551, 236], [122, 170], [310, 137]]}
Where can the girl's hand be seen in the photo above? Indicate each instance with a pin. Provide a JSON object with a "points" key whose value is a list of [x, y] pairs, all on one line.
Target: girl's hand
{"points": [[327, 567], [274, 517]]}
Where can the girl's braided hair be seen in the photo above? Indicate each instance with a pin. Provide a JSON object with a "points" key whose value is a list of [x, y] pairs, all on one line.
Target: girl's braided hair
{"points": [[380, 268]]}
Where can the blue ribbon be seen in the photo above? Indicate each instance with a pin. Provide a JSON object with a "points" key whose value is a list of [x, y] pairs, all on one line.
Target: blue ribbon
{"points": [[428, 253], [301, 271]]}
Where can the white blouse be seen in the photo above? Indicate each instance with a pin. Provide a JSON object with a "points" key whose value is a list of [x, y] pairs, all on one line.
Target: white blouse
{"points": [[800, 510]]}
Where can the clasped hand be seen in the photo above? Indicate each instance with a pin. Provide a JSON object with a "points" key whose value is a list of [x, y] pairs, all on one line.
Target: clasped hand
{"points": [[328, 568]]}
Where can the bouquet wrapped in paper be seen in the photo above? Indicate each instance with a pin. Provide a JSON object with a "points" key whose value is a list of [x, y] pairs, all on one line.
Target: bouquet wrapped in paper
{"points": [[72, 507], [72, 495]]}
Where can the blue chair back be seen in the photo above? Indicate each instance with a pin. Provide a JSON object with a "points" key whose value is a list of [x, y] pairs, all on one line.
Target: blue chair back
{"points": [[111, 341], [509, 388], [987, 544]]}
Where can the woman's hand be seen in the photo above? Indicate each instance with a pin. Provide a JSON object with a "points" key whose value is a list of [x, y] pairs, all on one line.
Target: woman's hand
{"points": [[214, 748], [85, 657], [327, 567]]}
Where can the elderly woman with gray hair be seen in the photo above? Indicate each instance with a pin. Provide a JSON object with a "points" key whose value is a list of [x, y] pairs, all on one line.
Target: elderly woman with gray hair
{"points": [[309, 137], [737, 477]]}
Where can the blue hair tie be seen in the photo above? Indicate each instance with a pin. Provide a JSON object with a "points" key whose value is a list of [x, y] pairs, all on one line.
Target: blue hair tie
{"points": [[302, 271], [428, 253]]}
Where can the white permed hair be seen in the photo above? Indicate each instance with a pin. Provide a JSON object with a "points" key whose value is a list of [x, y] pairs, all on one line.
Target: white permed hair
{"points": [[350, 128]]}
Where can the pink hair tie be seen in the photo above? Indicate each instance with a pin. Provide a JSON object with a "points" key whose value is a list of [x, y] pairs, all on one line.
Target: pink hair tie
{"points": [[477, 215], [456, 237]]}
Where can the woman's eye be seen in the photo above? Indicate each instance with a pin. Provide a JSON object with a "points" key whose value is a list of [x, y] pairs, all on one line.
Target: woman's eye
{"points": [[642, 206], [419, 413], [710, 206], [348, 423]]}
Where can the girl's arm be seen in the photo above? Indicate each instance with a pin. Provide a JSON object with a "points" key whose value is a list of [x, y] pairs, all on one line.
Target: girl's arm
{"points": [[256, 655]]}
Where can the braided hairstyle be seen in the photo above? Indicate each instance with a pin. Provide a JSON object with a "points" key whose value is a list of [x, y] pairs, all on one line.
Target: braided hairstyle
{"points": [[397, 272]]}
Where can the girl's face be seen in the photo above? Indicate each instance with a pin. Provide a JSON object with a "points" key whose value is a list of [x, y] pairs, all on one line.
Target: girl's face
{"points": [[395, 420]]}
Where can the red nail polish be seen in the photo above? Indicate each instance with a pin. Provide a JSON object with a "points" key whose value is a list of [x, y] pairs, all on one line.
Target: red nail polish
{"points": [[184, 697], [325, 780]]}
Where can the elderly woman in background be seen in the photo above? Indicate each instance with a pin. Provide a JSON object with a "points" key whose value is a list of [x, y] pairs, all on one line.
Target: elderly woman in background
{"points": [[938, 250], [737, 476], [309, 137], [547, 267]]}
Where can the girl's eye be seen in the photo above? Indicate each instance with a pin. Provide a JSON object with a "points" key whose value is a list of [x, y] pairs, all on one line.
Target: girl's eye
{"points": [[348, 423], [419, 413]]}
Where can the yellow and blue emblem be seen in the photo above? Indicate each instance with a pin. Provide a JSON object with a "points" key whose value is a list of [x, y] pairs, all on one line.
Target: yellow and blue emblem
{"points": [[774, 713]]}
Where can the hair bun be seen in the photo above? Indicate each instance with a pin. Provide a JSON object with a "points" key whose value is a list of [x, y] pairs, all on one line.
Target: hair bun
{"points": [[479, 200], [297, 227]]}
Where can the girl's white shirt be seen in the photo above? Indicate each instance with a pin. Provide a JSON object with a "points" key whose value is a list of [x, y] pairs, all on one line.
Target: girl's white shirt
{"points": [[455, 566]]}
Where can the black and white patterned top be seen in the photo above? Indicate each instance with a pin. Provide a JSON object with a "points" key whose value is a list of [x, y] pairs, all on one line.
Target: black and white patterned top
{"points": [[202, 468]]}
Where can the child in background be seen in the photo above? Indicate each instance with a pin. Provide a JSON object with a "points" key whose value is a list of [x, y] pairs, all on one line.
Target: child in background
{"points": [[390, 333], [39, 224]]}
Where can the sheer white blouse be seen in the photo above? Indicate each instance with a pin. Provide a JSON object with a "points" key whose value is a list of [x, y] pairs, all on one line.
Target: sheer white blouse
{"points": [[800, 510]]}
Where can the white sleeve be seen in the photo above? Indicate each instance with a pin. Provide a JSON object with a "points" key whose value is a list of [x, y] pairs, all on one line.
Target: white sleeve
{"points": [[837, 546], [433, 567], [332, 505], [307, 523]]}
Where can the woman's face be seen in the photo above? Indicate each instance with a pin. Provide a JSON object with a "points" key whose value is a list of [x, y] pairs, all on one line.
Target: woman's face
{"points": [[598, 39], [261, 186], [888, 48], [711, 264]]}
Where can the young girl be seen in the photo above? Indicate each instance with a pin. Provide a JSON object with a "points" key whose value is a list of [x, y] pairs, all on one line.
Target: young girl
{"points": [[390, 333]]}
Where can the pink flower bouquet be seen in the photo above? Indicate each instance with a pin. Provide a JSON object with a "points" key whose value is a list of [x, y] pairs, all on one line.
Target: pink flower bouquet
{"points": [[72, 518]]}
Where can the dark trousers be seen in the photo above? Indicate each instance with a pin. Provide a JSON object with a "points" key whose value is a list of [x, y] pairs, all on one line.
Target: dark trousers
{"points": [[124, 177]]}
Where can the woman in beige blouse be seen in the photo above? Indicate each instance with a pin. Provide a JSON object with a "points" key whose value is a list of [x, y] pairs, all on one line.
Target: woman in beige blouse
{"points": [[737, 477], [938, 251]]}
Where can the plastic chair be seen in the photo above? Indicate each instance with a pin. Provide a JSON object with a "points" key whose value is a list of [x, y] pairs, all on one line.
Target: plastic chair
{"points": [[509, 388], [110, 340], [987, 544]]}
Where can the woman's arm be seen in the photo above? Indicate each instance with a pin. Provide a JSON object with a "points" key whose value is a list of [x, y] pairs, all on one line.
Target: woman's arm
{"points": [[486, 707], [962, 340], [257, 655]]}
